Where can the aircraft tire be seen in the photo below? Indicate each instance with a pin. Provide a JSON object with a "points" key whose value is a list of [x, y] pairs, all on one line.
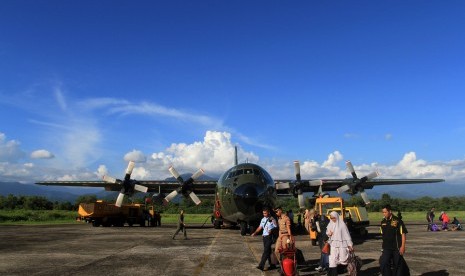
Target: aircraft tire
{"points": [[243, 228]]}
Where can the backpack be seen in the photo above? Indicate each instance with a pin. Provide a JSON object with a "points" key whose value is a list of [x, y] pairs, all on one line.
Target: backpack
{"points": [[354, 264], [440, 217], [434, 227]]}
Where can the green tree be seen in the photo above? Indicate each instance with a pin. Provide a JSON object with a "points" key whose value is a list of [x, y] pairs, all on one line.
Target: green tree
{"points": [[85, 199]]}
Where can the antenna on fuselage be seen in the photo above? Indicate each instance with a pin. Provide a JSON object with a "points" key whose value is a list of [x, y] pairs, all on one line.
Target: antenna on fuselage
{"points": [[235, 155]]}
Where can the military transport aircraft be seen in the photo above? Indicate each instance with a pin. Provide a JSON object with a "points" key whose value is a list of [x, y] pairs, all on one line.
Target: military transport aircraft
{"points": [[242, 191]]}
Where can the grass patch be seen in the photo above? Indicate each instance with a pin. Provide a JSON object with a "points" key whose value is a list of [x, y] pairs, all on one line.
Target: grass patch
{"points": [[61, 217], [415, 217], [36, 216]]}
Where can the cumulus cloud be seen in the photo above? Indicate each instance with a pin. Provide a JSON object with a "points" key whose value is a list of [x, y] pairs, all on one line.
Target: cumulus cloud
{"points": [[42, 154], [136, 156], [215, 154]]}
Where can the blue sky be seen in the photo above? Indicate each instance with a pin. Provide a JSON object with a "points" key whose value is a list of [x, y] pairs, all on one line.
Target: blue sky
{"points": [[86, 86]]}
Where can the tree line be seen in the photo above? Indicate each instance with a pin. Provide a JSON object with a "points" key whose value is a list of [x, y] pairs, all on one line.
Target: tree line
{"points": [[12, 202]]}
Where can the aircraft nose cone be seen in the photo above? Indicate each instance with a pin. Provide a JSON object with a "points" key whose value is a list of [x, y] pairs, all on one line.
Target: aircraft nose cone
{"points": [[250, 195], [246, 196]]}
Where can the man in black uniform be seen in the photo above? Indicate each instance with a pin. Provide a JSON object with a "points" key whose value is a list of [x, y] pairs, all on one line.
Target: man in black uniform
{"points": [[394, 235]]}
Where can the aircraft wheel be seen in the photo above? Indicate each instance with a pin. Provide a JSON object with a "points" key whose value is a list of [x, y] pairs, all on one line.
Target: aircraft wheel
{"points": [[243, 228], [252, 229], [217, 224]]}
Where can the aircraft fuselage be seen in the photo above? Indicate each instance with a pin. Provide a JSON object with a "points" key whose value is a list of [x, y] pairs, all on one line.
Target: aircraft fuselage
{"points": [[242, 192]]}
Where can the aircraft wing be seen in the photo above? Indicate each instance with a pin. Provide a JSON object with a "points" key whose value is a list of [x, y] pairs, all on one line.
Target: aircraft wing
{"points": [[153, 186], [351, 186], [334, 184]]}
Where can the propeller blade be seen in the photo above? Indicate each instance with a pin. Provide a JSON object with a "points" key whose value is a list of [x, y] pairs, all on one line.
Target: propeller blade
{"points": [[197, 174], [195, 198], [175, 174], [297, 170], [351, 169], [119, 200], [171, 195], [372, 175], [109, 179], [282, 186], [365, 198], [130, 167], [301, 200], [342, 189], [140, 188], [317, 182]]}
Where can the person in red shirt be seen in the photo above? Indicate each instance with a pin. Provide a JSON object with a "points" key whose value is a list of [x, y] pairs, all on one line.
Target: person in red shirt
{"points": [[445, 221]]}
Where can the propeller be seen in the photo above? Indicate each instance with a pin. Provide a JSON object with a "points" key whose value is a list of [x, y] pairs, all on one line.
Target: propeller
{"points": [[297, 186], [186, 187], [356, 184], [129, 186]]}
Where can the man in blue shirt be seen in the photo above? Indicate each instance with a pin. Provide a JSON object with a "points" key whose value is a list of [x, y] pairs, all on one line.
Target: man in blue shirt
{"points": [[267, 224]]}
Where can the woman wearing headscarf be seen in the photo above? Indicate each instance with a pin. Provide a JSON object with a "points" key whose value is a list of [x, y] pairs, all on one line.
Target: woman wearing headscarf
{"points": [[340, 242]]}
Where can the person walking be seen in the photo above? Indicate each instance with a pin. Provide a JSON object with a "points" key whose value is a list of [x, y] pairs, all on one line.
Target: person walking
{"points": [[394, 234], [322, 222], [181, 225], [266, 224], [340, 242], [430, 219], [285, 233]]}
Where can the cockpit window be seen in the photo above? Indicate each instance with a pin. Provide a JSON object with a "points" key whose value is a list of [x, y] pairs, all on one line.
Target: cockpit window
{"points": [[235, 173]]}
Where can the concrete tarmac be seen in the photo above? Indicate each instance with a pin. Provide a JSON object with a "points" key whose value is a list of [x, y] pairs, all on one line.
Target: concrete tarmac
{"points": [[80, 249]]}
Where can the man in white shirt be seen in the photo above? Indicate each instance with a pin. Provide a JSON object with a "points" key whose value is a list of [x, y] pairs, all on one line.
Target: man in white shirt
{"points": [[267, 224]]}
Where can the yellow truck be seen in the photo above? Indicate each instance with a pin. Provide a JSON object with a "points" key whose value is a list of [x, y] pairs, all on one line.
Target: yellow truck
{"points": [[107, 214], [355, 217]]}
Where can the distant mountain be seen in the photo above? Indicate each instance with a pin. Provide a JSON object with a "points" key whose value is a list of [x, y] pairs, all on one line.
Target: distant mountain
{"points": [[52, 193], [412, 191]]}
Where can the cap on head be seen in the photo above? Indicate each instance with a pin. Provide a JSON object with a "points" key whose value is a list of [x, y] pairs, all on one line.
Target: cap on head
{"points": [[278, 208]]}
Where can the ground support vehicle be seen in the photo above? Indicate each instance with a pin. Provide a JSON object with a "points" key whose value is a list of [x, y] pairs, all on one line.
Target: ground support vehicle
{"points": [[107, 214], [355, 217]]}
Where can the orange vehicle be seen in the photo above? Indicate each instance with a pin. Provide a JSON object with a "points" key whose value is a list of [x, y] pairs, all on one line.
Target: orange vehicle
{"points": [[355, 217], [107, 214]]}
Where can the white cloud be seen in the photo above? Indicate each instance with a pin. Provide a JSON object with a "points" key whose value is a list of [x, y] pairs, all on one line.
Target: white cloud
{"points": [[10, 151], [136, 156], [215, 154], [42, 154], [125, 107], [60, 98], [102, 171]]}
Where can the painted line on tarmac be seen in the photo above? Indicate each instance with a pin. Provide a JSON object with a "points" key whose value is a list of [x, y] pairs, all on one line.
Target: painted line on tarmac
{"points": [[205, 257], [257, 256]]}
